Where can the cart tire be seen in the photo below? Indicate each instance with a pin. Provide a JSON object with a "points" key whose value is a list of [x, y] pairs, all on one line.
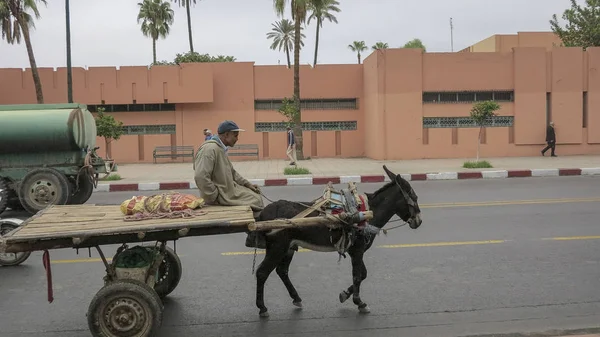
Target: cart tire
{"points": [[4, 192], [11, 259], [43, 187], [86, 188], [125, 308], [169, 273]]}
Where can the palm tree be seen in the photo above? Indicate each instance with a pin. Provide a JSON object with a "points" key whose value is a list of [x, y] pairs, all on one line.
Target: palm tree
{"points": [[299, 10], [415, 43], [322, 11], [282, 34], [358, 46], [380, 45], [157, 18], [15, 22], [187, 4]]}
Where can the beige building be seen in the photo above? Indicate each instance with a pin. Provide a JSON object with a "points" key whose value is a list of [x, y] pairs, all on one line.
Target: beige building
{"points": [[506, 42]]}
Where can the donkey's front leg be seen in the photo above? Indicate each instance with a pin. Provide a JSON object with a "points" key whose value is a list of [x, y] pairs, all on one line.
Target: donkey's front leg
{"points": [[358, 266], [272, 259], [345, 294], [283, 271]]}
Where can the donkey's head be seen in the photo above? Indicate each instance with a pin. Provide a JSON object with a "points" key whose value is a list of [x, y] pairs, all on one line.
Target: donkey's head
{"points": [[407, 205]]}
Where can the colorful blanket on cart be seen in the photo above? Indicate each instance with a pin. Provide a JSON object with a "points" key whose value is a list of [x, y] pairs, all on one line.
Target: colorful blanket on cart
{"points": [[161, 204]]}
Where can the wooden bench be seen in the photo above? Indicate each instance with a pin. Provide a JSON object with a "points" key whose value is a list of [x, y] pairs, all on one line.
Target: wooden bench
{"points": [[243, 150], [173, 152]]}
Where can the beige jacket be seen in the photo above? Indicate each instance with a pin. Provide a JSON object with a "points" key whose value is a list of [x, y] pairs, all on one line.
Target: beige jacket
{"points": [[218, 182]]}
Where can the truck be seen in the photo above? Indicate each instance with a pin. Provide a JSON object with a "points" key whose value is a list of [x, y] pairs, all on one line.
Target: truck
{"points": [[47, 156]]}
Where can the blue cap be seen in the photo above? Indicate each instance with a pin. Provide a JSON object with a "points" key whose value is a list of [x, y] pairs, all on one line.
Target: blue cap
{"points": [[227, 126]]}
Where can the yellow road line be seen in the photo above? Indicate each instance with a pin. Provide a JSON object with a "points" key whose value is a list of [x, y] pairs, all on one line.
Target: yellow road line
{"points": [[441, 244], [509, 202], [81, 260], [564, 238]]}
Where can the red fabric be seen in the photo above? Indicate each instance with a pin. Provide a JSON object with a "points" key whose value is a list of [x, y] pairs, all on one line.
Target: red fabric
{"points": [[46, 262]]}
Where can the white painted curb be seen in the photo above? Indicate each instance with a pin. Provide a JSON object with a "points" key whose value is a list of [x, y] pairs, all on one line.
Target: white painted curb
{"points": [[494, 174], [148, 186], [545, 173], [300, 181], [590, 171], [347, 179], [442, 176], [102, 188]]}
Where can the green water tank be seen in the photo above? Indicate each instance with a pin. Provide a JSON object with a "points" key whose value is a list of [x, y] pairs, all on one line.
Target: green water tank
{"points": [[31, 128]]}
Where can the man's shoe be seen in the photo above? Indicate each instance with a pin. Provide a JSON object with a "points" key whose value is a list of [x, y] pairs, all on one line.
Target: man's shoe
{"points": [[256, 240]]}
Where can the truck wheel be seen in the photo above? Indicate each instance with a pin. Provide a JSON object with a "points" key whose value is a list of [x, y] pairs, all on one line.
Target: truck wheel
{"points": [[3, 195], [43, 187], [11, 259], [86, 188]]}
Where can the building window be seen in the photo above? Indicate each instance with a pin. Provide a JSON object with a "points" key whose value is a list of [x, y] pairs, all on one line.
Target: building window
{"points": [[310, 104], [465, 122], [307, 126], [468, 96], [132, 107], [160, 129]]}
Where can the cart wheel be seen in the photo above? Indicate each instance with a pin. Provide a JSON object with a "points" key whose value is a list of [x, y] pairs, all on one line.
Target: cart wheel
{"points": [[43, 187], [3, 195], [125, 308], [11, 259], [86, 188], [169, 274]]}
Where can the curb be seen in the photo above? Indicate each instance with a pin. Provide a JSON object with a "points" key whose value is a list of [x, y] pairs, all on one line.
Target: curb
{"points": [[297, 181]]}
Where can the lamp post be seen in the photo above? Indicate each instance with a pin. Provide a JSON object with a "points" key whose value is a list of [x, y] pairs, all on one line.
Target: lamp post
{"points": [[69, 73]]}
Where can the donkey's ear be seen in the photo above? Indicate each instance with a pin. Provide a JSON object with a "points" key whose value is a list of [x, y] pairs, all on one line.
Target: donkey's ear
{"points": [[389, 173]]}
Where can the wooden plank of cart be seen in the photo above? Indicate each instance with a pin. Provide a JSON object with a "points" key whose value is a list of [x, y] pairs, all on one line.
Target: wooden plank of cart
{"points": [[138, 277]]}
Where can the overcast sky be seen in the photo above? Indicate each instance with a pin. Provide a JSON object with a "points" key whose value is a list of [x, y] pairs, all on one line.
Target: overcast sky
{"points": [[105, 32]]}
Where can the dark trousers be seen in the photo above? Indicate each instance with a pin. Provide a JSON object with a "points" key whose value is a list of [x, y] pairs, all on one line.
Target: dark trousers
{"points": [[552, 146]]}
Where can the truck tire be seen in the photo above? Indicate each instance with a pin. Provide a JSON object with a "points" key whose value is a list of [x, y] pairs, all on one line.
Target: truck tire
{"points": [[3, 195], [43, 187], [86, 188]]}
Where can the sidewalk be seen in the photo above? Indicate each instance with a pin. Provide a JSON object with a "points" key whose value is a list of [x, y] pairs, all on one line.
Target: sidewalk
{"points": [[170, 176]]}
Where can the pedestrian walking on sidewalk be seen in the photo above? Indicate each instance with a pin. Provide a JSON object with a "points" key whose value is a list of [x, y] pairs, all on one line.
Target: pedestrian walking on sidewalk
{"points": [[550, 140], [291, 146], [207, 134]]}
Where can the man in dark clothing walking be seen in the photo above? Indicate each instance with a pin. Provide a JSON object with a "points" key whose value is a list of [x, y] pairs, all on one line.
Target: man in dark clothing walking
{"points": [[551, 140]]}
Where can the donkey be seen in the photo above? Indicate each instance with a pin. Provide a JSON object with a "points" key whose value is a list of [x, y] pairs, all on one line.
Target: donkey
{"points": [[396, 197]]}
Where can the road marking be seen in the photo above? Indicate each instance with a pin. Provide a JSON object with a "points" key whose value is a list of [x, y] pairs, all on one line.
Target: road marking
{"points": [[509, 202], [564, 238], [81, 260], [441, 244]]}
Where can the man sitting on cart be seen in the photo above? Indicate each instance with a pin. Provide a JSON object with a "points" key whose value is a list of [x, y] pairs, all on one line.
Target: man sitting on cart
{"points": [[220, 184]]}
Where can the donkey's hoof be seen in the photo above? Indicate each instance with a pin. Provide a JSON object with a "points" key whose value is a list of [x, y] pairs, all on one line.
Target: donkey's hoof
{"points": [[298, 304], [264, 314], [364, 310], [344, 296]]}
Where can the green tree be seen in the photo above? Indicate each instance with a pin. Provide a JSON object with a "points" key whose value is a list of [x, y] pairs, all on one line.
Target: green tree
{"points": [[108, 127], [194, 57], [289, 111], [380, 45], [156, 17], [415, 43], [299, 10], [187, 4], [320, 11], [582, 25], [481, 113], [282, 34], [358, 47], [15, 24]]}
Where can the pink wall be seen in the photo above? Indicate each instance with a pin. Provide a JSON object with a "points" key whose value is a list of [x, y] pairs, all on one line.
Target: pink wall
{"points": [[388, 87]]}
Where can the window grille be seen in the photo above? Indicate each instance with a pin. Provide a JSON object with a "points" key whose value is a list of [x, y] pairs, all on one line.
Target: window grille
{"points": [[149, 129], [468, 96], [132, 107], [310, 104], [466, 122], [307, 126]]}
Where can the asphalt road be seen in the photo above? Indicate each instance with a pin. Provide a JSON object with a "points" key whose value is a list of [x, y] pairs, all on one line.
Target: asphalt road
{"points": [[503, 256]]}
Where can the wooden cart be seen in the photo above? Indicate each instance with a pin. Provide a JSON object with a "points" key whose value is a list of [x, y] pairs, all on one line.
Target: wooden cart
{"points": [[129, 303]]}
